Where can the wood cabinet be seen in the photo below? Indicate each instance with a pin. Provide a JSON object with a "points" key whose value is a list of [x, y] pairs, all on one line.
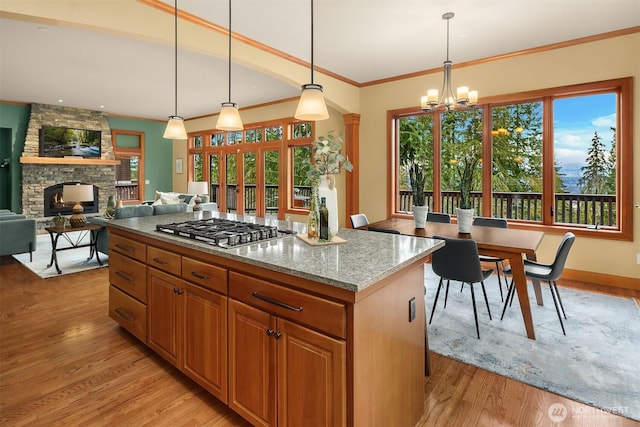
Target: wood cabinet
{"points": [[280, 350], [188, 326], [274, 361], [128, 285], [165, 313]]}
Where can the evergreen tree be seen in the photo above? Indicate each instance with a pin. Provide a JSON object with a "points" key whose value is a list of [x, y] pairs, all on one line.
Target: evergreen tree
{"points": [[594, 176], [611, 163]]}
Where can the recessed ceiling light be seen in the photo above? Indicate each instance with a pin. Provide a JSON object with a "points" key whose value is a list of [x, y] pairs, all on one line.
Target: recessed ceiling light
{"points": [[60, 100]]}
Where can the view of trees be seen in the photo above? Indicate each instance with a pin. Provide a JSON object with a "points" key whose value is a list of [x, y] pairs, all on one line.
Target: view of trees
{"points": [[599, 174], [516, 161]]}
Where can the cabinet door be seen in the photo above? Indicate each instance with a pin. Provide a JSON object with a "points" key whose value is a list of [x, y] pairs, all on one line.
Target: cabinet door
{"points": [[205, 339], [165, 320], [311, 377], [252, 380]]}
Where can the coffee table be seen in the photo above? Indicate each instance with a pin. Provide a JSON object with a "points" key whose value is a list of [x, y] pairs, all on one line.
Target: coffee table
{"points": [[93, 230]]}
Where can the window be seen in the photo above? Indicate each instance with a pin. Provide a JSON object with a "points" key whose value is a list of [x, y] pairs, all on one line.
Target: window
{"points": [[556, 158], [259, 171], [128, 147]]}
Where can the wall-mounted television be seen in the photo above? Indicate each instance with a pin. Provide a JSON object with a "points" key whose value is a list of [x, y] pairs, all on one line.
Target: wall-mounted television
{"points": [[57, 141]]}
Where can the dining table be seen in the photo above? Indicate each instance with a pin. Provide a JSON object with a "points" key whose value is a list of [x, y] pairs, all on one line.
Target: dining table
{"points": [[506, 243]]}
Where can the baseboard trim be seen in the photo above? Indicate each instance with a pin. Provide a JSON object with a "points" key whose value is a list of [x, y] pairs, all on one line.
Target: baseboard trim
{"points": [[607, 280]]}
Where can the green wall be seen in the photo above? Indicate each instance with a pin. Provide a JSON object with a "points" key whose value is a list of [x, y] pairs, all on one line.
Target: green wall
{"points": [[15, 118], [158, 153]]}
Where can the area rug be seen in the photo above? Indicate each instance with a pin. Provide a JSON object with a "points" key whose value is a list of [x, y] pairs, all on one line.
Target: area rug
{"points": [[597, 362], [70, 261]]}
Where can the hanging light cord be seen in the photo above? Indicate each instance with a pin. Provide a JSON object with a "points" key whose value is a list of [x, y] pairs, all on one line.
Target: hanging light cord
{"points": [[311, 41], [175, 55], [229, 51]]}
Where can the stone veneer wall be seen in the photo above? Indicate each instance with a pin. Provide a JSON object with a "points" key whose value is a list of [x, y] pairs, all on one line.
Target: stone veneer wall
{"points": [[36, 177]]}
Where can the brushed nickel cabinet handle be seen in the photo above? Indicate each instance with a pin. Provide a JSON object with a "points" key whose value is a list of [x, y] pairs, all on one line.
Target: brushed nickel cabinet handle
{"points": [[125, 248], [125, 276], [160, 261], [122, 313], [200, 275], [275, 302]]}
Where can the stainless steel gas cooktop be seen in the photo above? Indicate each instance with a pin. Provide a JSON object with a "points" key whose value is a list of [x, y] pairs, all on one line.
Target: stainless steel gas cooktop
{"points": [[223, 233]]}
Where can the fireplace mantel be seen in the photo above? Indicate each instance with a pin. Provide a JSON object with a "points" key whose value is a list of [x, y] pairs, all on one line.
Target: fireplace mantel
{"points": [[66, 161]]}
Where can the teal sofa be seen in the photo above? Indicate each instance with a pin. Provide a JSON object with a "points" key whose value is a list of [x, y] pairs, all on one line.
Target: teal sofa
{"points": [[17, 234], [132, 212]]}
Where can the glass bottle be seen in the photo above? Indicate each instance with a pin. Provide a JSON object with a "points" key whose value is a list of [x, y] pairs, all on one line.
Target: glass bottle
{"points": [[312, 222], [324, 220]]}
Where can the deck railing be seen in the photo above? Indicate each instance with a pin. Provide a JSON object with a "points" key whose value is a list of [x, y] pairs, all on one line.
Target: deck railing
{"points": [[582, 209], [271, 196]]}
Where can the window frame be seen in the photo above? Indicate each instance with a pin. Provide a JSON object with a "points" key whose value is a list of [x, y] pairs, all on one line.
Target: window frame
{"points": [[622, 87], [128, 152], [285, 157]]}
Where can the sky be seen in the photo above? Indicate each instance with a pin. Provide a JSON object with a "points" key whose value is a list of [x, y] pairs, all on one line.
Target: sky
{"points": [[575, 121]]}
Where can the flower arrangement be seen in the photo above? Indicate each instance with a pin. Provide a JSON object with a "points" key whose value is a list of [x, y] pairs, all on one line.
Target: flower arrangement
{"points": [[327, 158]]}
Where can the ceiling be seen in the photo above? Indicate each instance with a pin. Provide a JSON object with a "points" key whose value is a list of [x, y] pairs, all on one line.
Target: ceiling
{"points": [[46, 60]]}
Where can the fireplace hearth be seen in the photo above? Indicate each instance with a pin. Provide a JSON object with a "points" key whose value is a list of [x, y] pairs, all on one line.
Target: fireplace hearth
{"points": [[54, 203]]}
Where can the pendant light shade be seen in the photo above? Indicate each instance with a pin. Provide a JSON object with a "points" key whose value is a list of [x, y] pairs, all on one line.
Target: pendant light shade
{"points": [[229, 118], [311, 105], [175, 127]]}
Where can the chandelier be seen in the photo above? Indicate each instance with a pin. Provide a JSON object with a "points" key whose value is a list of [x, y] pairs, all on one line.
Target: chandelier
{"points": [[463, 98]]}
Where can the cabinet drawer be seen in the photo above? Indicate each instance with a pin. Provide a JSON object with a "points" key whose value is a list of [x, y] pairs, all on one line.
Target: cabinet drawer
{"points": [[128, 247], [164, 260], [130, 313], [128, 275], [327, 316], [206, 275]]}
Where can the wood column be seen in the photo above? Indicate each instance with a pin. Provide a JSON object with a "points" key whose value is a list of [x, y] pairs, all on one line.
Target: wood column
{"points": [[352, 142]]}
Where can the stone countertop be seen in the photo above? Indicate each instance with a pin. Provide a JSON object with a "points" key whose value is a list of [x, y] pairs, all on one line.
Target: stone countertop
{"points": [[365, 258]]}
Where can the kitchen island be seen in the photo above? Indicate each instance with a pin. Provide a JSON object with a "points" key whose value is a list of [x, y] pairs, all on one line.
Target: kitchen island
{"points": [[283, 332]]}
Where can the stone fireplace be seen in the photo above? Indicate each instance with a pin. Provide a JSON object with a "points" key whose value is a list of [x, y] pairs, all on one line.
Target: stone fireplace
{"points": [[40, 173]]}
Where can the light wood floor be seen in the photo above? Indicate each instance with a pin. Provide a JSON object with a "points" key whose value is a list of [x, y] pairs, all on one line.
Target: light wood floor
{"points": [[63, 361]]}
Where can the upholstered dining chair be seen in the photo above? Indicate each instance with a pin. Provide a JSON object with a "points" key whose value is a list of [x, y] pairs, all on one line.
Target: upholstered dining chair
{"points": [[458, 260], [549, 273], [358, 220], [439, 217], [499, 262]]}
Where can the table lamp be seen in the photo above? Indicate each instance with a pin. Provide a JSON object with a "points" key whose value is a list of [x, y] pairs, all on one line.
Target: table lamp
{"points": [[196, 188], [77, 193]]}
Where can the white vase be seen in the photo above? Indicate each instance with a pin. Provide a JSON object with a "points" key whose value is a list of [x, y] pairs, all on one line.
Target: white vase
{"points": [[327, 189], [465, 218], [420, 215]]}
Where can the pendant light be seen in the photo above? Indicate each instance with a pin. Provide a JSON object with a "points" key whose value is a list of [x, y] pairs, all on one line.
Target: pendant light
{"points": [[175, 127], [229, 118], [311, 105], [463, 98]]}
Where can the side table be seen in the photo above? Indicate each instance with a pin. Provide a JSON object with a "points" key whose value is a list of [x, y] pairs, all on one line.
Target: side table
{"points": [[93, 230]]}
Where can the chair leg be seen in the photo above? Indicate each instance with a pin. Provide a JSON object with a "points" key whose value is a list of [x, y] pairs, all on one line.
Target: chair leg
{"points": [[555, 302], [433, 310], [555, 286], [446, 295], [486, 301], [475, 311], [499, 280], [510, 292]]}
